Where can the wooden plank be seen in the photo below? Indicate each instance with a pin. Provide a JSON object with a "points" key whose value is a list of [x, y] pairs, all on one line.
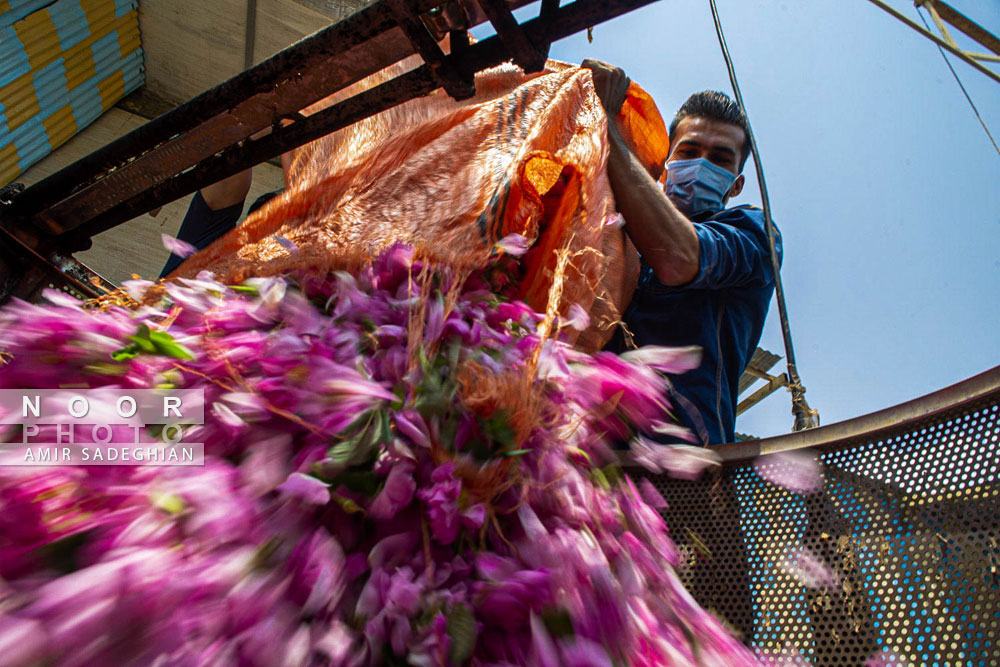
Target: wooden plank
{"points": [[281, 23], [136, 246], [336, 9], [192, 45]]}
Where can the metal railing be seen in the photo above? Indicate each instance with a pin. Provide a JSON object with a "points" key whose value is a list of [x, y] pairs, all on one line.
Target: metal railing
{"points": [[907, 527]]}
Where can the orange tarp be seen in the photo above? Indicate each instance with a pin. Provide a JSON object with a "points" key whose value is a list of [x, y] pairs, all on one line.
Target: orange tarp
{"points": [[526, 155]]}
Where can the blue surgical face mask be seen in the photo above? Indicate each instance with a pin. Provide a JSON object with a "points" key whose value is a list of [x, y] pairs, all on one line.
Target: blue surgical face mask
{"points": [[697, 186]]}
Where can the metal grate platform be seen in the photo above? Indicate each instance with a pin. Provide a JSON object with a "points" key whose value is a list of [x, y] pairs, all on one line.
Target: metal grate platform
{"points": [[908, 522]]}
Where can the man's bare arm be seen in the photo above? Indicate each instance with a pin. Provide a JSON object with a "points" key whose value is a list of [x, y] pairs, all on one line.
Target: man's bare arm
{"points": [[663, 235], [665, 238], [227, 192]]}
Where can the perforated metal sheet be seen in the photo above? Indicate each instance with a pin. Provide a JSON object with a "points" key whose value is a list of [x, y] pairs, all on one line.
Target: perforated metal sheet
{"points": [[908, 523]]}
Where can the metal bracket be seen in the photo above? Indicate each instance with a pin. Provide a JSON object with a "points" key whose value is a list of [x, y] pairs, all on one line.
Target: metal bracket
{"points": [[459, 85], [968, 26], [941, 12], [449, 17], [526, 55]]}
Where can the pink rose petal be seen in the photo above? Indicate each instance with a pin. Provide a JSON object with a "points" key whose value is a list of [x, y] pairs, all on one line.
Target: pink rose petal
{"points": [[306, 488], [680, 461], [651, 495], [577, 318], [514, 244], [177, 247], [809, 570], [286, 244], [796, 471], [61, 298], [886, 659], [614, 221], [136, 289], [667, 359]]}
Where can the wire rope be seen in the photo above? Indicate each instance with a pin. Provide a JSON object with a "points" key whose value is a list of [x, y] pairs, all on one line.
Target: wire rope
{"points": [[805, 417], [962, 86]]}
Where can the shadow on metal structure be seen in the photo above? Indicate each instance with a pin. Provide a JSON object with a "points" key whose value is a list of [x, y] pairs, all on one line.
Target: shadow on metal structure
{"points": [[908, 522], [211, 136]]}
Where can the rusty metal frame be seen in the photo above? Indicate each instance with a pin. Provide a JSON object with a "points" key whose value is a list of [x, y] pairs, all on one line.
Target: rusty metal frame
{"points": [[773, 384], [526, 54], [209, 137], [880, 425], [940, 10]]}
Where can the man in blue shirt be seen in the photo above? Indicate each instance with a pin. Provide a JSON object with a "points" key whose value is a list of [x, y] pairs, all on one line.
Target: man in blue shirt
{"points": [[706, 272], [706, 280]]}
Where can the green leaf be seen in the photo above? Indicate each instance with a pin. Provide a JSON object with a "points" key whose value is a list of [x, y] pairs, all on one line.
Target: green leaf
{"points": [[384, 428], [432, 403], [168, 502], [597, 475], [63, 554], [498, 428], [346, 504], [156, 430], [613, 473], [517, 452], [425, 364], [359, 447], [343, 452], [141, 339], [125, 353], [454, 350], [165, 344], [359, 481], [558, 622], [104, 368], [462, 632], [152, 342], [263, 554]]}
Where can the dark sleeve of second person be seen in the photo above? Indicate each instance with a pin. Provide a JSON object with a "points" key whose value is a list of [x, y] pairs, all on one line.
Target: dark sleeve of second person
{"points": [[201, 226], [733, 251]]}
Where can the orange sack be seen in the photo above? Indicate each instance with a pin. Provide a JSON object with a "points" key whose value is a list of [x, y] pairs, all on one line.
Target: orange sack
{"points": [[526, 155]]}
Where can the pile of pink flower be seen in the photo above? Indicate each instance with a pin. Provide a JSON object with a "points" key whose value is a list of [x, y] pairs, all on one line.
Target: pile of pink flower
{"points": [[403, 466]]}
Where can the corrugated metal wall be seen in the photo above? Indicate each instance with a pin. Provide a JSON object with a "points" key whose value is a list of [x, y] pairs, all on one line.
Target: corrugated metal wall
{"points": [[60, 68], [15, 10]]}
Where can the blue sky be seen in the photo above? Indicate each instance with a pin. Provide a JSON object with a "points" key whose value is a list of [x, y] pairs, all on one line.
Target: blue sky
{"points": [[883, 183]]}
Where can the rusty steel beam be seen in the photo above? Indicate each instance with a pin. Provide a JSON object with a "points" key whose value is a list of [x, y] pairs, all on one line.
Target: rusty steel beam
{"points": [[283, 100], [24, 273], [973, 393], [878, 425], [526, 54], [236, 100], [944, 44], [281, 87], [964, 24], [404, 88], [117, 207], [275, 90], [218, 133], [460, 85]]}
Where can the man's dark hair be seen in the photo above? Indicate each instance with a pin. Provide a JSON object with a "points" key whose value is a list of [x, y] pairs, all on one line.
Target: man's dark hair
{"points": [[714, 105]]}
